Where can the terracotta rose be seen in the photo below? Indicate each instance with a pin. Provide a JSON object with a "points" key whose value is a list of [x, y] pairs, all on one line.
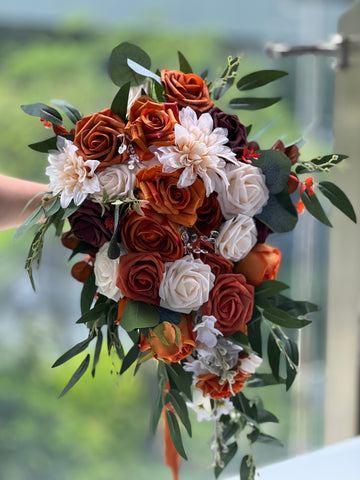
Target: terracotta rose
{"points": [[151, 233], [231, 302], [151, 123], [172, 352], [261, 263], [209, 384], [97, 138], [187, 90], [139, 276], [161, 191]]}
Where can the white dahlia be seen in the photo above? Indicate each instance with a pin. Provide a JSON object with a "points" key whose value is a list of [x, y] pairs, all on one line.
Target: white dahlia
{"points": [[70, 175], [199, 150]]}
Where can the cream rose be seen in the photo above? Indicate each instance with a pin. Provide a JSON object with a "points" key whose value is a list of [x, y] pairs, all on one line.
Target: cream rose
{"points": [[236, 238], [115, 182], [186, 284], [105, 271], [246, 193]]}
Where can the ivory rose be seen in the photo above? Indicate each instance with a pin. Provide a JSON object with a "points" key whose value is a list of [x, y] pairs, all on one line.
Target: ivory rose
{"points": [[172, 352], [246, 192], [139, 276], [231, 302], [98, 137], [261, 263], [151, 123], [161, 191], [115, 182], [236, 238], [186, 89], [105, 270], [151, 233], [186, 284]]}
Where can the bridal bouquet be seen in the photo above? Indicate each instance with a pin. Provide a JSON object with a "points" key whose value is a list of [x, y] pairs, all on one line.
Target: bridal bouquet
{"points": [[172, 206]]}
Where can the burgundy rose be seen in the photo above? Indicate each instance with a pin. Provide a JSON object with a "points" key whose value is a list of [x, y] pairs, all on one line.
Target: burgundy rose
{"points": [[292, 151], [89, 225], [262, 231], [231, 302], [209, 215], [206, 252], [140, 275], [236, 130]]}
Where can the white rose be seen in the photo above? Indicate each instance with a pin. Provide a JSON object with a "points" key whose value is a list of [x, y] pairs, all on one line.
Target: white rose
{"points": [[117, 181], [186, 284], [105, 271], [236, 238], [246, 193]]}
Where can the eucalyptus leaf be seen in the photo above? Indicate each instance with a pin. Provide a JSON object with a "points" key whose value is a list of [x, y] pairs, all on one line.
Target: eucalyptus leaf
{"points": [[252, 103], [184, 65], [70, 111], [254, 334], [93, 314], [338, 198], [32, 220], [120, 72], [139, 315], [72, 352], [264, 416], [226, 457], [320, 163], [166, 315], [175, 433], [247, 468], [314, 207], [130, 358], [259, 79], [180, 408], [120, 102], [263, 380], [276, 166], [52, 207], [293, 353], [268, 288], [179, 379], [77, 375], [279, 214], [143, 71], [88, 293], [265, 438], [296, 307], [227, 78], [273, 356], [43, 111], [98, 345]]}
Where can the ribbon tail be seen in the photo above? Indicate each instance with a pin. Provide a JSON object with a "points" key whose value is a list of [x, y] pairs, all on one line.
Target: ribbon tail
{"points": [[172, 458]]}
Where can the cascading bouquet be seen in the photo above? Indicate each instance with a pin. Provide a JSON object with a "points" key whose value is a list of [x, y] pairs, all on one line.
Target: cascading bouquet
{"points": [[172, 206]]}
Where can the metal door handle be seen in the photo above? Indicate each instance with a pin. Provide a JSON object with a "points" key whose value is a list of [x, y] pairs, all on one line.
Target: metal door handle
{"points": [[338, 47]]}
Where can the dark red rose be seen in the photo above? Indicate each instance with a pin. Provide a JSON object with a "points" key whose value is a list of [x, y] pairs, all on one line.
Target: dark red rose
{"points": [[292, 151], [262, 231], [206, 252], [209, 215], [236, 130], [89, 225]]}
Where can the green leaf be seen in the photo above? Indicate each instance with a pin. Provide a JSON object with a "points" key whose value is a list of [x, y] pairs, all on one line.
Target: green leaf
{"points": [[276, 167], [248, 130], [52, 207], [320, 163], [279, 214], [258, 79], [296, 307], [264, 416], [263, 380], [175, 433], [139, 315], [88, 293], [273, 356], [143, 71], [314, 207], [184, 65], [72, 208], [247, 468], [338, 198], [226, 458], [279, 317], [179, 379], [254, 334], [130, 358], [98, 345], [120, 102], [160, 398], [120, 72], [240, 338], [93, 314], [268, 288], [32, 220], [77, 375], [177, 401], [49, 144], [252, 103], [265, 438], [43, 111], [293, 352], [72, 352], [70, 111], [114, 249]]}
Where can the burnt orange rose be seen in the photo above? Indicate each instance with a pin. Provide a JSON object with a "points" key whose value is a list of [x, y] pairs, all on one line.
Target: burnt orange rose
{"points": [[209, 215], [139, 276], [151, 232], [210, 385], [261, 263], [161, 191], [231, 302], [151, 123], [172, 352], [98, 137], [187, 90]]}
